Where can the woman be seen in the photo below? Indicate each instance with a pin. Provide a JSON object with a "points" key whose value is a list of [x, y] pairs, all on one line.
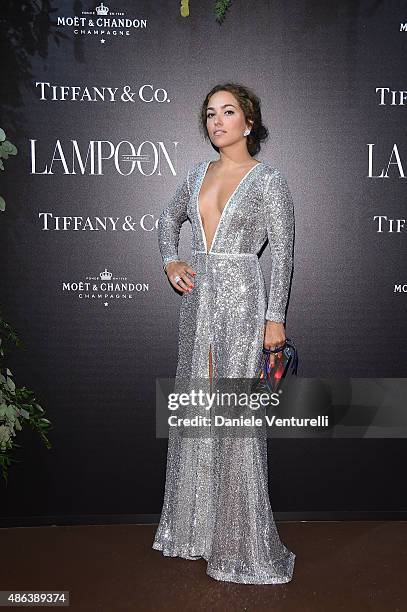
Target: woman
{"points": [[216, 502]]}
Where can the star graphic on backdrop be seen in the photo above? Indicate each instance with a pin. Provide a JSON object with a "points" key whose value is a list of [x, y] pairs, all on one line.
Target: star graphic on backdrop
{"points": [[106, 304], [102, 40]]}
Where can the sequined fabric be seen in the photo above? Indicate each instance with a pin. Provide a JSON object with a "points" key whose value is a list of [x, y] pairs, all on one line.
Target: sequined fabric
{"points": [[216, 502]]}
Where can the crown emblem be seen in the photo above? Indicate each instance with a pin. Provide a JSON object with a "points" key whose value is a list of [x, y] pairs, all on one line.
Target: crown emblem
{"points": [[105, 275], [102, 9]]}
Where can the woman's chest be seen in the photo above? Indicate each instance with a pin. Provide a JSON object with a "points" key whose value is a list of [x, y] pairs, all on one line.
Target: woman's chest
{"points": [[241, 206]]}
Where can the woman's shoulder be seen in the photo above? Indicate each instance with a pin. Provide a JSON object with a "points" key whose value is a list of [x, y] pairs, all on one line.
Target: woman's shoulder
{"points": [[272, 171], [195, 170], [274, 178], [197, 166]]}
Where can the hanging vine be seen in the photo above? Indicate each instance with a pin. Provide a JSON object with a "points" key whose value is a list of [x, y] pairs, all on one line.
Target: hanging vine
{"points": [[219, 10]]}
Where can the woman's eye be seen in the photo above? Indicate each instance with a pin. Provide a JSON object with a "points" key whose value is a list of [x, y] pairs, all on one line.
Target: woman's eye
{"points": [[209, 115]]}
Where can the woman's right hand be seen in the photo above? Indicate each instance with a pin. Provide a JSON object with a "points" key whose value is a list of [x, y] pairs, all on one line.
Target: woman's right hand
{"points": [[182, 269]]}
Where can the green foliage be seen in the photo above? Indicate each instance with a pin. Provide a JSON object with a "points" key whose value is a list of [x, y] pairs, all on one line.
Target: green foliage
{"points": [[18, 406], [220, 9], [6, 148]]}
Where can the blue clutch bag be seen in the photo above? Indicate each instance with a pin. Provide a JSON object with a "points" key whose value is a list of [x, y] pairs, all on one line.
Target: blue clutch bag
{"points": [[286, 363]]}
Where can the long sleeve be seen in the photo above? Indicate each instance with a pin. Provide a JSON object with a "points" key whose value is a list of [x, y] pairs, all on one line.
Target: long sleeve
{"points": [[279, 219], [170, 221]]}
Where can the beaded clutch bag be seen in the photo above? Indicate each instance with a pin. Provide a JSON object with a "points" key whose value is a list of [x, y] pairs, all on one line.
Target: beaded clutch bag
{"points": [[286, 363]]}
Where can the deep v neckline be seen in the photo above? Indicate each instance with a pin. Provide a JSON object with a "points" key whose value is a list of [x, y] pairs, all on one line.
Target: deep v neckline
{"points": [[224, 207]]}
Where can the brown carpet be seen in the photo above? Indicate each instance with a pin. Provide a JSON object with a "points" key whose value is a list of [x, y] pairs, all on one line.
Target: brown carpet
{"points": [[349, 565]]}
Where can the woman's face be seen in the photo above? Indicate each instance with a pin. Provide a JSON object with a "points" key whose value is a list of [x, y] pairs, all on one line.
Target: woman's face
{"points": [[225, 120]]}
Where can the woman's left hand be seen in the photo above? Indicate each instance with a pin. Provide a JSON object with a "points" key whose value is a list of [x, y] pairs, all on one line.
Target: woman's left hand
{"points": [[274, 336]]}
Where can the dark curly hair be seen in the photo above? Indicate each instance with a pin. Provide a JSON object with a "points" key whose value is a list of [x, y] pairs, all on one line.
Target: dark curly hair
{"points": [[250, 105]]}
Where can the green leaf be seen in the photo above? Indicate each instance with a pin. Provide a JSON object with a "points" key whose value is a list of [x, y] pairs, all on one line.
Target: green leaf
{"points": [[10, 384], [9, 147], [11, 411]]}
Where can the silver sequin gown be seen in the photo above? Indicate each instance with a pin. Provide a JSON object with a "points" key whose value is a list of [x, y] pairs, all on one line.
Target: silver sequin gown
{"points": [[216, 502]]}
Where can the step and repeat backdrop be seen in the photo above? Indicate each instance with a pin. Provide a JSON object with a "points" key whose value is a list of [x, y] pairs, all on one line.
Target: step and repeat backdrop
{"points": [[102, 102]]}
